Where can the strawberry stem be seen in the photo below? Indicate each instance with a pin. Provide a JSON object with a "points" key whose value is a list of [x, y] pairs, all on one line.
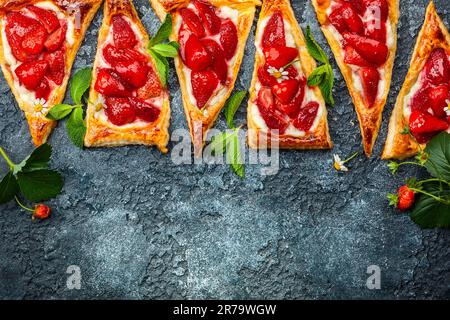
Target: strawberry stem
{"points": [[439, 199], [10, 163], [434, 180], [351, 157], [23, 206]]}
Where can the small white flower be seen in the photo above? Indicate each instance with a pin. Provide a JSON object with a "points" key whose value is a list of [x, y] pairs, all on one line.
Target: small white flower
{"points": [[39, 107], [447, 108], [339, 164], [279, 74]]}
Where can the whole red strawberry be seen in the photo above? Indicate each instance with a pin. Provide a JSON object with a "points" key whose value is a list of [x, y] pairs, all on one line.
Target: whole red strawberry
{"points": [[41, 211], [404, 199]]}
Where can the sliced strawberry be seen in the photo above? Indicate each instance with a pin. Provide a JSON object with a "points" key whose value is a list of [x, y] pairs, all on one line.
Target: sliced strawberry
{"points": [[43, 90], [33, 41], [274, 32], [56, 39], [279, 57], [119, 111], [228, 38], [123, 35], [16, 27], [152, 87], [345, 18], [57, 66], [193, 22], [357, 5], [292, 72], [183, 36], [351, 56], [209, 17], [306, 116], [30, 74], [109, 83], [292, 108], [265, 78], [133, 72], [114, 55], [423, 125], [273, 120], [370, 77], [197, 57], [375, 28], [48, 18], [420, 101], [286, 90], [437, 68], [144, 110], [204, 83], [378, 8], [219, 64], [371, 50], [438, 97]]}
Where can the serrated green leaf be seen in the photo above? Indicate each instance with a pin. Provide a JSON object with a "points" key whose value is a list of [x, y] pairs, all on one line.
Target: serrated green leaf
{"points": [[313, 47], [162, 65], [234, 156], [438, 151], [163, 32], [76, 129], [8, 188], [326, 87], [38, 159], [81, 82], [165, 50], [40, 185], [430, 213], [317, 76], [231, 107], [219, 143], [60, 111]]}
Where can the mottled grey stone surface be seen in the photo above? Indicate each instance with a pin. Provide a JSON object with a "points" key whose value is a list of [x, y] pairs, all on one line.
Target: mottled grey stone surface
{"points": [[139, 226]]}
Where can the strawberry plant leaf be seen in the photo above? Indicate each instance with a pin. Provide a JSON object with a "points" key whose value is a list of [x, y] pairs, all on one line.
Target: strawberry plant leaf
{"points": [[76, 128], [438, 151], [313, 47], [40, 185], [38, 159], [8, 188], [81, 81], [60, 111], [231, 107], [163, 32]]}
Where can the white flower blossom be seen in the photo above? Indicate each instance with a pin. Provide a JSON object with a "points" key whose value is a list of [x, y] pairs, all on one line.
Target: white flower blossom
{"points": [[40, 107], [339, 165], [279, 74], [447, 108]]}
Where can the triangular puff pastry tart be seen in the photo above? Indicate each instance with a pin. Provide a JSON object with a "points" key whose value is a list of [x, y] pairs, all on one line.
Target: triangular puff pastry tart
{"points": [[212, 35], [423, 102], [363, 37], [282, 108], [127, 102], [38, 44]]}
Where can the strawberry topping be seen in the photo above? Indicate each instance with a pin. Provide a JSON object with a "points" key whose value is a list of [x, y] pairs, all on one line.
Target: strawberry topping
{"points": [[30, 74], [437, 68], [292, 108], [306, 116], [33, 41], [265, 78], [119, 111], [345, 18], [197, 57], [56, 39], [279, 57], [43, 90], [57, 66], [209, 17], [423, 125], [152, 87], [438, 98], [144, 110], [285, 90], [376, 8], [370, 78], [203, 85], [272, 118], [47, 17], [123, 35], [274, 32], [351, 56], [219, 64], [193, 22], [228, 38], [109, 83], [371, 50]]}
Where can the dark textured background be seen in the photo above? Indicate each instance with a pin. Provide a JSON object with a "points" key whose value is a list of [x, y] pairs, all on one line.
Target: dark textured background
{"points": [[141, 227]]}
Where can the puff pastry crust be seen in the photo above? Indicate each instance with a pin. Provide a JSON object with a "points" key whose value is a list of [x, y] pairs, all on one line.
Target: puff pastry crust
{"points": [[81, 12], [200, 121], [319, 137], [369, 118], [433, 35], [100, 131]]}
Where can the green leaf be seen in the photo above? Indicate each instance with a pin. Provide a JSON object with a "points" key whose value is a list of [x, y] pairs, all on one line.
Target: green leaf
{"points": [[234, 157], [175, 44], [76, 128], [219, 142], [40, 185], [313, 47], [38, 159], [163, 32], [326, 87], [165, 50], [430, 213], [317, 76], [231, 107], [438, 151], [81, 81], [8, 188], [60, 111], [162, 65]]}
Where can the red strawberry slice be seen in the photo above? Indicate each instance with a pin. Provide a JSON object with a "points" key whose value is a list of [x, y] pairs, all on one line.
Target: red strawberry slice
{"points": [[351, 56], [345, 18], [219, 64], [193, 22], [286, 90], [265, 77], [183, 36], [56, 39], [114, 55], [273, 120], [133, 72], [371, 50], [279, 57], [123, 35], [30, 74], [48, 18], [357, 5], [209, 17], [57, 66], [152, 87], [370, 77], [420, 101], [144, 110], [119, 111], [203, 85], [197, 57], [274, 32], [378, 8], [43, 90], [109, 83], [292, 109], [16, 27], [292, 72], [228, 38], [437, 68], [306, 116], [33, 41], [423, 125], [438, 98]]}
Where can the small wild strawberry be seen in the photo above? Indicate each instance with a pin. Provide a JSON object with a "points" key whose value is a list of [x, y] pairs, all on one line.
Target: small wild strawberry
{"points": [[403, 200], [41, 211]]}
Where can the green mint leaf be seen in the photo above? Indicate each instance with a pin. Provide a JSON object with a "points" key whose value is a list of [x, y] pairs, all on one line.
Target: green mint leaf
{"points": [[76, 129], [162, 65], [430, 213], [317, 76], [165, 50], [8, 188], [60, 111], [438, 151], [174, 44], [38, 159], [163, 32], [326, 87], [81, 82], [219, 143], [40, 185], [234, 156], [313, 47], [231, 107]]}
